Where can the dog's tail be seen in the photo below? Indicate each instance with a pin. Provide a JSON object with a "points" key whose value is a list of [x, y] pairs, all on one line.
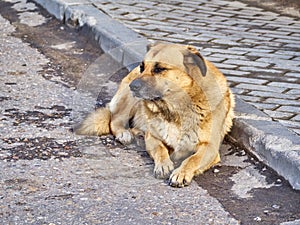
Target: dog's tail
{"points": [[96, 123]]}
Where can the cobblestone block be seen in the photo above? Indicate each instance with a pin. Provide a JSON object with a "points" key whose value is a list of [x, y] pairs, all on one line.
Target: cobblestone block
{"points": [[285, 102], [250, 98], [284, 84], [296, 118], [287, 52], [247, 63], [233, 51], [246, 80], [254, 87], [279, 78], [297, 131], [279, 115], [227, 67], [266, 94], [295, 92], [290, 124], [263, 106], [236, 4], [294, 45], [292, 109], [281, 63], [260, 70], [236, 72], [254, 49], [226, 42], [237, 91], [269, 55]]}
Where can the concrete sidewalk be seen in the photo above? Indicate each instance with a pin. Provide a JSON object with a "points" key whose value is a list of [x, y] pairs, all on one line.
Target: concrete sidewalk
{"points": [[257, 50]]}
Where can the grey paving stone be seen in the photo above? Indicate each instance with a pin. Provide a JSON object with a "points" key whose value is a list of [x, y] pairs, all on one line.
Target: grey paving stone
{"points": [[263, 106], [279, 115], [266, 94], [296, 118], [260, 70], [269, 55], [284, 84], [238, 91], [294, 92], [227, 67], [236, 72], [254, 87], [289, 123], [246, 80], [261, 88], [254, 49], [247, 63], [292, 109], [250, 98]]}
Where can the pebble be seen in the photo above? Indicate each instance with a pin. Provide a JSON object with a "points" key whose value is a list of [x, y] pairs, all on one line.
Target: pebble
{"points": [[216, 171], [257, 219]]}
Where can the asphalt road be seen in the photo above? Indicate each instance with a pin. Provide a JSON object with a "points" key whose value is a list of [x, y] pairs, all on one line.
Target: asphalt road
{"points": [[50, 176]]}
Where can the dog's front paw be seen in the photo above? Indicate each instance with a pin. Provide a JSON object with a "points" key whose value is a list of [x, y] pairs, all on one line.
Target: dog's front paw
{"points": [[164, 169], [125, 137], [180, 178]]}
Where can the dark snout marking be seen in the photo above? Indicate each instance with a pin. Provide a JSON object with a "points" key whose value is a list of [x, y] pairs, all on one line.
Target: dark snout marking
{"points": [[142, 89], [136, 85]]}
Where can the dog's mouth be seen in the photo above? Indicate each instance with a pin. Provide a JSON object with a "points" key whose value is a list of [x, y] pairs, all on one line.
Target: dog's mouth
{"points": [[147, 96]]}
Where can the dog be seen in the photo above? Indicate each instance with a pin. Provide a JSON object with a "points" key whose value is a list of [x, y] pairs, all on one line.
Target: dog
{"points": [[180, 103]]}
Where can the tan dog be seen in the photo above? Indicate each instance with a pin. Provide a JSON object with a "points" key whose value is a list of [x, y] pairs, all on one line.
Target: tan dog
{"points": [[180, 102]]}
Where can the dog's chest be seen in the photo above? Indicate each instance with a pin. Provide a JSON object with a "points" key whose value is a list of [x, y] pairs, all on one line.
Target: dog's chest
{"points": [[172, 135], [168, 132]]}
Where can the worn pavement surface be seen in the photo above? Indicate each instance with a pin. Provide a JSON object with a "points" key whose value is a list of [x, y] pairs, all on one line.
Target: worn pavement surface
{"points": [[257, 50], [50, 176]]}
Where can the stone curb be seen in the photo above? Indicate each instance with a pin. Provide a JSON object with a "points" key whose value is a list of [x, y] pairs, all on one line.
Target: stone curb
{"points": [[272, 143]]}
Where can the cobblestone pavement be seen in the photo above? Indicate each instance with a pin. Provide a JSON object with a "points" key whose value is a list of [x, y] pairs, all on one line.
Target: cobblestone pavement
{"points": [[258, 50], [50, 176]]}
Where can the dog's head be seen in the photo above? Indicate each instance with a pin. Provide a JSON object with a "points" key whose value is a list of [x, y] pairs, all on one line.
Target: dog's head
{"points": [[167, 69]]}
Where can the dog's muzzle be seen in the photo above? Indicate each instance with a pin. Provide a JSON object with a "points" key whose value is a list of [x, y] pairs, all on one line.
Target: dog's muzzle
{"points": [[141, 89]]}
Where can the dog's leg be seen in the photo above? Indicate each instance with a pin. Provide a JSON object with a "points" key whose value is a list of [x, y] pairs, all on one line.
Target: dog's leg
{"points": [[122, 109], [163, 165], [206, 156]]}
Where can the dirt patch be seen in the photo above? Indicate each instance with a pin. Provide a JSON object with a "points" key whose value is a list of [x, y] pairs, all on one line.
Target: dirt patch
{"points": [[266, 206], [70, 51], [39, 148]]}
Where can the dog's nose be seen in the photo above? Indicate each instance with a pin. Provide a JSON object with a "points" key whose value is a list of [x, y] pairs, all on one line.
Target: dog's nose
{"points": [[135, 85]]}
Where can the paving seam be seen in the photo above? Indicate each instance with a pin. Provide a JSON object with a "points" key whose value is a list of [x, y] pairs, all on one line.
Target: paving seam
{"points": [[271, 142]]}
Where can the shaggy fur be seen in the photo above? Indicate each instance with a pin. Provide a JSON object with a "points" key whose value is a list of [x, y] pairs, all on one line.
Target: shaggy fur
{"points": [[180, 102]]}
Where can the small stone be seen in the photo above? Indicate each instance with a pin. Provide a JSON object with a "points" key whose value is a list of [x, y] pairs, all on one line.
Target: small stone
{"points": [[216, 171], [257, 219], [278, 182]]}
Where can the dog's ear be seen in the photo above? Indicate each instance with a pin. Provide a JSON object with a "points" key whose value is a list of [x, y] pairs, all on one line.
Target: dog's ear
{"points": [[149, 46], [153, 44], [191, 58]]}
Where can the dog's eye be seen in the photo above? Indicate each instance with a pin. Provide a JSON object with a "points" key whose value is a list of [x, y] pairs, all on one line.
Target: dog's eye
{"points": [[158, 69], [142, 67]]}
